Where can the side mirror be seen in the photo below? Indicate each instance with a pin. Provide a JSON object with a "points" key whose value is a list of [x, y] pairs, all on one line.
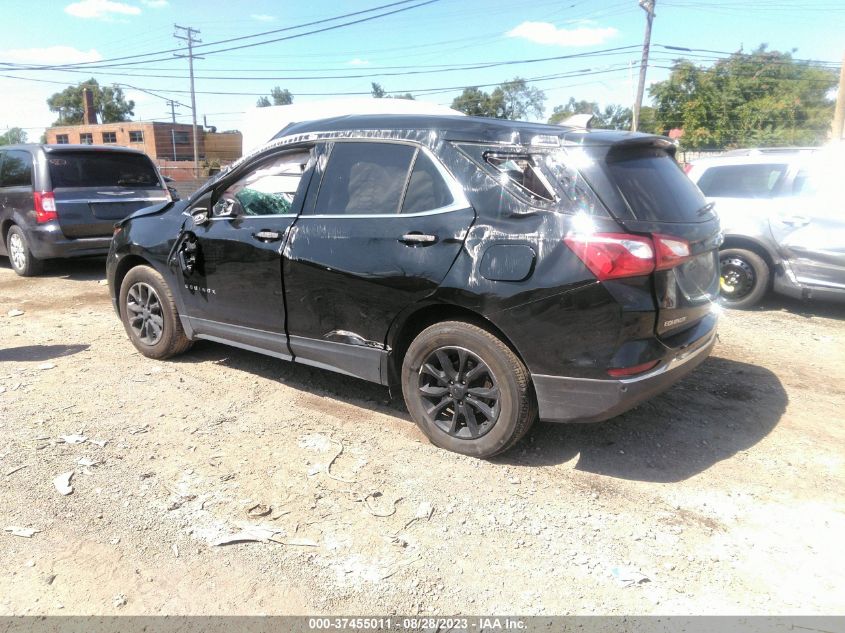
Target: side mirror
{"points": [[227, 208]]}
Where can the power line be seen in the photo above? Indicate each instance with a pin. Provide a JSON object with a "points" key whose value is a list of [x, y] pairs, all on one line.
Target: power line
{"points": [[101, 64], [189, 38]]}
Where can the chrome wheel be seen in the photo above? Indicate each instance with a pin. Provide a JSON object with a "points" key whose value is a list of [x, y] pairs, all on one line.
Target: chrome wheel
{"points": [[17, 251], [144, 313], [459, 392]]}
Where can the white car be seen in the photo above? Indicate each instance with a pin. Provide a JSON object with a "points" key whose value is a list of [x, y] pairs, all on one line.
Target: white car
{"points": [[783, 217]]}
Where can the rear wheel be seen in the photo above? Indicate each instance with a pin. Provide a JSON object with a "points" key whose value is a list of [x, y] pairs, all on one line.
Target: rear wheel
{"points": [[23, 261], [744, 277], [149, 314], [467, 390]]}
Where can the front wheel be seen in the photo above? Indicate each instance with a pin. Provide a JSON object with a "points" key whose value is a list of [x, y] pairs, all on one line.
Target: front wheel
{"points": [[467, 390], [149, 314], [743, 277]]}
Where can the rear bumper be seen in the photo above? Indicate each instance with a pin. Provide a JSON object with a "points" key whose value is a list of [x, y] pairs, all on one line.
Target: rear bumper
{"points": [[46, 241], [562, 399]]}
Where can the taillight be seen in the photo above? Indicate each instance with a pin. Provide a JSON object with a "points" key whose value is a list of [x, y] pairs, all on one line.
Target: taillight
{"points": [[687, 168], [45, 206], [617, 255], [669, 251], [613, 255]]}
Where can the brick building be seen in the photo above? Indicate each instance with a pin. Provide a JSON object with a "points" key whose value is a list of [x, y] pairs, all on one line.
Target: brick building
{"points": [[170, 141]]}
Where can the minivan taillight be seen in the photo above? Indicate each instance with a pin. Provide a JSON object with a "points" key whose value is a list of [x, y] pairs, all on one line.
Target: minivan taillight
{"points": [[45, 206], [617, 255]]}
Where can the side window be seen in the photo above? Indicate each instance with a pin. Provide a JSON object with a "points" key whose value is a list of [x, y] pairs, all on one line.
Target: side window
{"points": [[364, 179], [16, 169], [742, 181], [426, 188], [270, 188]]}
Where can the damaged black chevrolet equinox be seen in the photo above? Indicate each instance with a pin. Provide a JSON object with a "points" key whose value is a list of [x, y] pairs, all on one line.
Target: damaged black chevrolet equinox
{"points": [[499, 272]]}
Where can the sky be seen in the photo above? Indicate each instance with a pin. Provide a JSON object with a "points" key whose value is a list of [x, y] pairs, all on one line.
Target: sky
{"points": [[428, 48]]}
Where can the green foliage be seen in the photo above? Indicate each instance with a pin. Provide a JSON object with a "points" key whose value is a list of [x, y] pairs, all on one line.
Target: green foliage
{"points": [[764, 98], [281, 97], [379, 93], [13, 136], [109, 103], [513, 99], [612, 117], [263, 102]]}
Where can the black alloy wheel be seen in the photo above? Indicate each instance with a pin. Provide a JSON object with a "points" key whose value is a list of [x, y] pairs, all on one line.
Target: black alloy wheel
{"points": [[460, 393], [144, 313], [467, 389]]}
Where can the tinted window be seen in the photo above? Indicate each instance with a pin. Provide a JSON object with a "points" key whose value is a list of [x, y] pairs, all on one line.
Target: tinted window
{"points": [[522, 170], [101, 169], [741, 181], [426, 189], [270, 188], [17, 169], [364, 178], [656, 188]]}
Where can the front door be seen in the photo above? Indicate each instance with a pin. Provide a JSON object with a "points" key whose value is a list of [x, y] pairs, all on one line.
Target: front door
{"points": [[230, 266], [381, 234]]}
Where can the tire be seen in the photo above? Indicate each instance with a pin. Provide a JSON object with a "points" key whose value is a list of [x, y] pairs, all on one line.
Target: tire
{"points": [[144, 295], [488, 366], [23, 261], [743, 278]]}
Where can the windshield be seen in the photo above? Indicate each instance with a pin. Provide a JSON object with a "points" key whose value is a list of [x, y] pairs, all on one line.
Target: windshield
{"points": [[101, 169]]}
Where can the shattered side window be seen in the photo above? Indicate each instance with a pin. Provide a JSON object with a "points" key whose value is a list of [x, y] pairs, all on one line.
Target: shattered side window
{"points": [[521, 170], [576, 196]]}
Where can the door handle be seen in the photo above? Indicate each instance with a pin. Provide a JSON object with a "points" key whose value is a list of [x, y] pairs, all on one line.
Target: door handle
{"points": [[795, 220], [267, 236], [415, 238]]}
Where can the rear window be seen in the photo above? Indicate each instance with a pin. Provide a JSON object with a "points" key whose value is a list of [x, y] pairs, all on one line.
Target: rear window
{"points": [[656, 188], [742, 181], [101, 169]]}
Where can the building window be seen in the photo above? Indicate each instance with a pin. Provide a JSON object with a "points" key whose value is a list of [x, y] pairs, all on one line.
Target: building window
{"points": [[61, 139], [86, 138], [136, 136], [109, 137], [180, 137]]}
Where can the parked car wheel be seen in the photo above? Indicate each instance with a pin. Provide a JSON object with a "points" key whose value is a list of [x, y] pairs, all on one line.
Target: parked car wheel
{"points": [[467, 390], [744, 277], [23, 261], [149, 314]]}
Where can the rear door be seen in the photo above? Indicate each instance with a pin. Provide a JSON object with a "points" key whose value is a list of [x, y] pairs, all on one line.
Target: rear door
{"points": [[381, 234], [94, 189], [648, 193], [16, 187]]}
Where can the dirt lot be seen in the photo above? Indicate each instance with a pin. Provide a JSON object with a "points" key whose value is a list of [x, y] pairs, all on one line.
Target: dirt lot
{"points": [[726, 492]]}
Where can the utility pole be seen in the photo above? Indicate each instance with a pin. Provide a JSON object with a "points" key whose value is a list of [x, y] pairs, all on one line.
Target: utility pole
{"points": [[648, 7], [188, 37], [838, 130], [173, 105]]}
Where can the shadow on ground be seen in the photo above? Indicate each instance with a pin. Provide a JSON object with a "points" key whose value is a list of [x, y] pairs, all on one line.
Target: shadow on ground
{"points": [[77, 269], [39, 353], [808, 309], [722, 408]]}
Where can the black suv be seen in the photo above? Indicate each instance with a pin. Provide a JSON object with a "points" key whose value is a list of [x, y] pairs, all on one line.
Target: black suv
{"points": [[63, 200], [496, 271]]}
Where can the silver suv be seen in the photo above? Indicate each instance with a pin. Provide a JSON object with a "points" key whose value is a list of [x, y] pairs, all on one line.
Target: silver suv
{"points": [[783, 217]]}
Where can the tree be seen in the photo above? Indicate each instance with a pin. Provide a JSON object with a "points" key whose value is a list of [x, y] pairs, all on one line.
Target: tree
{"points": [[611, 117], [13, 136], [765, 98], [281, 97], [379, 93], [263, 102], [513, 99], [109, 103]]}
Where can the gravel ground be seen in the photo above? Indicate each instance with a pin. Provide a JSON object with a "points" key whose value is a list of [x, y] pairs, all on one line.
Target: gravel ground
{"points": [[725, 493]]}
